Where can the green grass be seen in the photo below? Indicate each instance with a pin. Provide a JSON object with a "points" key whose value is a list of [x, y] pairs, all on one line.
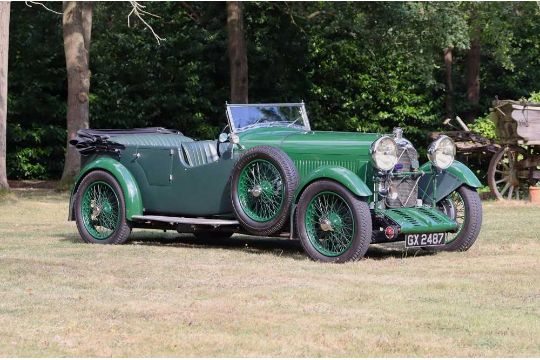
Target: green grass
{"points": [[169, 295], [4, 193]]}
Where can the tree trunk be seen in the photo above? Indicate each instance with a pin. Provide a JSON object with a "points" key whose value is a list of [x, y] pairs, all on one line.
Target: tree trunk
{"points": [[473, 77], [237, 53], [449, 83], [77, 26], [4, 50]]}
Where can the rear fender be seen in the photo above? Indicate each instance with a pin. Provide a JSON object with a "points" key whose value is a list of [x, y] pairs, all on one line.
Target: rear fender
{"points": [[444, 182], [339, 174], [132, 194]]}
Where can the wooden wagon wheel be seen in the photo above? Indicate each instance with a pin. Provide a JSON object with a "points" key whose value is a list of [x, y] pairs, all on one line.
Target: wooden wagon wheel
{"points": [[505, 175]]}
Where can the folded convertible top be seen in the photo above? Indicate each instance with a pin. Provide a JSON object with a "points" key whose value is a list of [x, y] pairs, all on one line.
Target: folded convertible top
{"points": [[102, 140], [137, 131]]}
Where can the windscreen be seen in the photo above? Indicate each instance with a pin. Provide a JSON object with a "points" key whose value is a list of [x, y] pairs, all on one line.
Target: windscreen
{"points": [[248, 116]]}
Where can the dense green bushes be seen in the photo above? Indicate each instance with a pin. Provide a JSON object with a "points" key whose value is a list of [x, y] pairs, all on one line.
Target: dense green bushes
{"points": [[358, 67]]}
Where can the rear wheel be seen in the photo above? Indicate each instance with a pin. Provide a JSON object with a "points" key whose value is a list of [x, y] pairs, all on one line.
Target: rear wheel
{"points": [[333, 225], [100, 210]]}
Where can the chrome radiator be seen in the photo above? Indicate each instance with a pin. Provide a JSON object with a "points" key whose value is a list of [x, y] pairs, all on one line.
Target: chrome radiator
{"points": [[403, 189]]}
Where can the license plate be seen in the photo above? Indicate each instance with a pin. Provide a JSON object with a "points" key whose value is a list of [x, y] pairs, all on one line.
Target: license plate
{"points": [[421, 240]]}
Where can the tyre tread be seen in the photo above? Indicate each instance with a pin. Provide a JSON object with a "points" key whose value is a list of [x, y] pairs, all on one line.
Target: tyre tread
{"points": [[473, 222]]}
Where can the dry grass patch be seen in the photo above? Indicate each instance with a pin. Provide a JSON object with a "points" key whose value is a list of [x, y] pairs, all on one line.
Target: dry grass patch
{"points": [[170, 295]]}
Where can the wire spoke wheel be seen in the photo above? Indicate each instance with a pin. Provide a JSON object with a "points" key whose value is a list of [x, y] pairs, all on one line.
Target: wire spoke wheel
{"points": [[263, 185], [329, 224], [454, 207], [261, 190], [100, 210], [505, 177], [464, 206]]}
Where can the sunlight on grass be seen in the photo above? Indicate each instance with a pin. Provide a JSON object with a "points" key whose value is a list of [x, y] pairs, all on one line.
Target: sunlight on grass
{"points": [[166, 294]]}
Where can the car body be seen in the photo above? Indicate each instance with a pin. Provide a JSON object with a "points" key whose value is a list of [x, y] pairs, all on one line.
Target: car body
{"points": [[269, 174]]}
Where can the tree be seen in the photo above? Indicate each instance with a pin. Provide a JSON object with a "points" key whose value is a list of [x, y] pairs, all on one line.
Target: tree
{"points": [[237, 53], [4, 47], [77, 27], [449, 100], [360, 66], [491, 38], [473, 75]]}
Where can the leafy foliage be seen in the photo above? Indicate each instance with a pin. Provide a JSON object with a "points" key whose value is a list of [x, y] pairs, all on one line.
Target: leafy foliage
{"points": [[36, 134], [535, 97], [366, 66], [485, 127]]}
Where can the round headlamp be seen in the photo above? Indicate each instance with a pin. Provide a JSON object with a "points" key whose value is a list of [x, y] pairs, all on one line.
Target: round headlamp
{"points": [[442, 152], [384, 153]]}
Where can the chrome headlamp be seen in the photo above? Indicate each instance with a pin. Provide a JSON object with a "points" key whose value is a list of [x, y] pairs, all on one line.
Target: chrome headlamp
{"points": [[384, 153], [442, 152]]}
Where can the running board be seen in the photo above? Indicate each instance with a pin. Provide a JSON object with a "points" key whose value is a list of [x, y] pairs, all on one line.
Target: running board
{"points": [[186, 220]]}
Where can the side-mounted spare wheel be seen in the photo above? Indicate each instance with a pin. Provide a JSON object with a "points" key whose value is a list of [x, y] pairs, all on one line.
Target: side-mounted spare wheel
{"points": [[262, 189], [333, 224], [100, 210]]}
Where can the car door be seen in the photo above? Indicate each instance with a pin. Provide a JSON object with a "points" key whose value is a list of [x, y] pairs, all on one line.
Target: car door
{"points": [[189, 186]]}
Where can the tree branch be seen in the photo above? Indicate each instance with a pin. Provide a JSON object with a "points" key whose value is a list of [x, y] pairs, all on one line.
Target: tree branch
{"points": [[138, 11], [192, 14], [29, 4]]}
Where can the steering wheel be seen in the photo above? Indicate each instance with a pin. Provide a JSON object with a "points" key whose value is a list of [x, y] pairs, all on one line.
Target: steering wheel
{"points": [[218, 142]]}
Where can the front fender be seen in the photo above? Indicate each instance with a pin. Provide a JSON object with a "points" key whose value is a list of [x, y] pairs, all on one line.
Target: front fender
{"points": [[132, 194], [436, 185], [339, 174]]}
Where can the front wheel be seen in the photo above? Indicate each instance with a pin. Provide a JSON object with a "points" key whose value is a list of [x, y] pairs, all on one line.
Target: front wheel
{"points": [[333, 225], [464, 206], [100, 209]]}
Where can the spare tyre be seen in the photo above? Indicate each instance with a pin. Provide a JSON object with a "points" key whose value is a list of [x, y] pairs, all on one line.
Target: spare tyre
{"points": [[262, 189]]}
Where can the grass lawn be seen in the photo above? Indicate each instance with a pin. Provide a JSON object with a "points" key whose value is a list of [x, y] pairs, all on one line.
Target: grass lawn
{"points": [[169, 295]]}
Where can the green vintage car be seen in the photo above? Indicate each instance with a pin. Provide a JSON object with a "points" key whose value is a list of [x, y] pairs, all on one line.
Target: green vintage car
{"points": [[269, 174]]}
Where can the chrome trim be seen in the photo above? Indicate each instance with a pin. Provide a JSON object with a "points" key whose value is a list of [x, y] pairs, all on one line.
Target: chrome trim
{"points": [[256, 191], [325, 225], [374, 146], [434, 146]]}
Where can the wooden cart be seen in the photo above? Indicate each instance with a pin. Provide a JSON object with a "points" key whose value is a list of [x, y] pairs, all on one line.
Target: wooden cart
{"points": [[472, 148], [516, 165]]}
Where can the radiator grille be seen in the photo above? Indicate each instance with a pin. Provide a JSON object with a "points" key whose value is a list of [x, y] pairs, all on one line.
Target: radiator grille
{"points": [[405, 187], [305, 167]]}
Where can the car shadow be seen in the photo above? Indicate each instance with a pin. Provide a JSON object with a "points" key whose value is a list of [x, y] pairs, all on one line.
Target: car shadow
{"points": [[244, 243], [253, 245], [394, 250]]}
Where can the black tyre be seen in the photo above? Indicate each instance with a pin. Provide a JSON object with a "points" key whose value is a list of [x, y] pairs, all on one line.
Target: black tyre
{"points": [[262, 188], [465, 207], [213, 235], [100, 210], [333, 224]]}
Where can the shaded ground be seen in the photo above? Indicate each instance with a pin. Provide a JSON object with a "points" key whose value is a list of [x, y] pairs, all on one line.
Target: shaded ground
{"points": [[166, 294], [32, 184]]}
